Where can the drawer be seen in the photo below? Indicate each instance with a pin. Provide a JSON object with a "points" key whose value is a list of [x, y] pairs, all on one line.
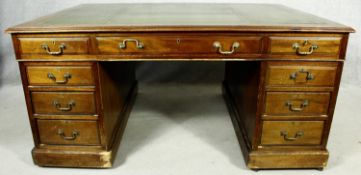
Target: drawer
{"points": [[60, 75], [292, 132], [68, 132], [301, 74], [297, 103], [54, 46], [63, 102], [306, 46], [171, 44]]}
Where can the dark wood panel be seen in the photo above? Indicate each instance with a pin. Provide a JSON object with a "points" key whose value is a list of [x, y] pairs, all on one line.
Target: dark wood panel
{"points": [[117, 81], [242, 81]]}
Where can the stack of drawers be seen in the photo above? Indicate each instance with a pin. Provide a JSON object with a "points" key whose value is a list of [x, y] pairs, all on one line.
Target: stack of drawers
{"points": [[282, 107], [77, 108], [63, 103], [296, 103]]}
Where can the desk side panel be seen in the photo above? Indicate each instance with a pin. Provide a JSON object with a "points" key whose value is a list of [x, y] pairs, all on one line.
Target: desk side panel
{"points": [[242, 80], [117, 80]]}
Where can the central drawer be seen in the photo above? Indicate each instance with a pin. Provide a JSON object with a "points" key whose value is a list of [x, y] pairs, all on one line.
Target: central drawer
{"points": [[63, 102], [182, 44]]}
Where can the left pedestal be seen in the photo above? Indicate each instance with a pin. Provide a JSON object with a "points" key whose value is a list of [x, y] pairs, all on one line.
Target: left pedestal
{"points": [[78, 110]]}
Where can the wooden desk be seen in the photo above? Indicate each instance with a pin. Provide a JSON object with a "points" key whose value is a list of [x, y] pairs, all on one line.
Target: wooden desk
{"points": [[283, 70]]}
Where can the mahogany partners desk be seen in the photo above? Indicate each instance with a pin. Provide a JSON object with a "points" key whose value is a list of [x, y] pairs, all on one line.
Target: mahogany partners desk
{"points": [[283, 70]]}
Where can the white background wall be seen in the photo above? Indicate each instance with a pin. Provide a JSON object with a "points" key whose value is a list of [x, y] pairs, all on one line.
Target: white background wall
{"points": [[14, 12]]}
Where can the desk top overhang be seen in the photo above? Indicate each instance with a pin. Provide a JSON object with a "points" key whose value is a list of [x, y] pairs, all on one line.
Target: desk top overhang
{"points": [[179, 17]]}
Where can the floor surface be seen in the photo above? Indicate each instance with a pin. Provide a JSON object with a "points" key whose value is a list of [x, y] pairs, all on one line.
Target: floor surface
{"points": [[178, 130]]}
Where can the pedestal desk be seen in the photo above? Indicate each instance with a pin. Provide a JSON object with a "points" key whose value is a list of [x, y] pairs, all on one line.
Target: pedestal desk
{"points": [[283, 70]]}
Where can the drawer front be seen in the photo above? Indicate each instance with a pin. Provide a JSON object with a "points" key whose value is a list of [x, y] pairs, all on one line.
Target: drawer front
{"points": [[306, 46], [179, 44], [60, 75], [297, 103], [309, 74], [63, 102], [54, 46], [68, 132], [292, 132]]}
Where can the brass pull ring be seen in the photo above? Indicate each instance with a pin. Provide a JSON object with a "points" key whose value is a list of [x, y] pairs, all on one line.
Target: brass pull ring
{"points": [[73, 136], [304, 104], [297, 47], [287, 138], [218, 46], [47, 49], [309, 76], [138, 44], [69, 106], [66, 77]]}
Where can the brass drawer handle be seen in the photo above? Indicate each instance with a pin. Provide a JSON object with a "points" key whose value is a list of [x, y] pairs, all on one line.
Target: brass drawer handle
{"points": [[304, 104], [297, 47], [66, 77], [309, 75], [69, 106], [285, 136], [73, 136], [47, 49], [218, 46], [138, 44]]}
